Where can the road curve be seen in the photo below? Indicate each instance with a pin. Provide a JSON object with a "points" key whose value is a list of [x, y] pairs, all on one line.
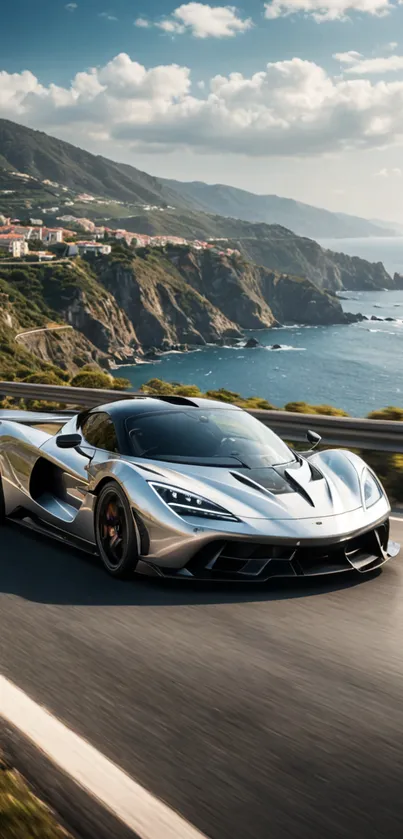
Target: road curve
{"points": [[257, 714]]}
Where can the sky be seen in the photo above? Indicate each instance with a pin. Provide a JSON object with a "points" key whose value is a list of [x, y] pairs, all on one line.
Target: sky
{"points": [[299, 98]]}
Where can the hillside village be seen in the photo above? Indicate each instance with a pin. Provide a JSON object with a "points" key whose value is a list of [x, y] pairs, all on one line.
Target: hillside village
{"points": [[20, 237]]}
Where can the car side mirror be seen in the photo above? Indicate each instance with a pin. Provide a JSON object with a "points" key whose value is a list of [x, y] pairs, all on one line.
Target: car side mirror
{"points": [[313, 438], [68, 441]]}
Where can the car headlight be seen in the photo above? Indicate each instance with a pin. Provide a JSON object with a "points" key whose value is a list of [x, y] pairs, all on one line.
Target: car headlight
{"points": [[187, 504], [372, 491]]}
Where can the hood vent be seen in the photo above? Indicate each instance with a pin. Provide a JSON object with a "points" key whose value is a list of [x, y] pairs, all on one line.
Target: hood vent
{"points": [[263, 480], [247, 481]]}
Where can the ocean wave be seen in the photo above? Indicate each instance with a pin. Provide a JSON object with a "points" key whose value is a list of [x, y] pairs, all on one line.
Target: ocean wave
{"points": [[184, 352], [285, 348]]}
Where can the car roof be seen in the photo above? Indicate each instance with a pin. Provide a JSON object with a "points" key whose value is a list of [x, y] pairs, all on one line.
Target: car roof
{"points": [[124, 408]]}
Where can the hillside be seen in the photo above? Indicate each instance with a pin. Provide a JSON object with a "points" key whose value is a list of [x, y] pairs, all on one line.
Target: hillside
{"points": [[46, 158], [272, 246], [123, 305], [300, 218]]}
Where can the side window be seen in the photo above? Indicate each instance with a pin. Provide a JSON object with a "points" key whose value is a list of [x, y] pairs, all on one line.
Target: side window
{"points": [[99, 431]]}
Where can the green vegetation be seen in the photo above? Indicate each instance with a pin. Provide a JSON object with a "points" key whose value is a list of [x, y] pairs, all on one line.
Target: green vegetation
{"points": [[157, 386], [44, 157], [23, 816], [390, 413], [94, 379], [305, 408]]}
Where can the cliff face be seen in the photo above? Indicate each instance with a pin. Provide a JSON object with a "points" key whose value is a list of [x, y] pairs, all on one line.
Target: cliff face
{"points": [[28, 347], [67, 349], [254, 296], [120, 306], [104, 324], [162, 307], [302, 257]]}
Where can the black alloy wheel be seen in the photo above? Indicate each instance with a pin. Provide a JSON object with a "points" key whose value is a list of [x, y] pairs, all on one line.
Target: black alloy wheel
{"points": [[115, 531]]}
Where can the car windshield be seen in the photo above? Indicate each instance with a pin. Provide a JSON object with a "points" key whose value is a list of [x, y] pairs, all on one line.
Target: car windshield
{"points": [[213, 437]]}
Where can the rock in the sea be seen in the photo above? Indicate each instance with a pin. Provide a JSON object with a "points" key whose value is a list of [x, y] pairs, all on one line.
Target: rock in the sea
{"points": [[351, 317], [251, 343], [276, 347], [152, 354], [389, 319], [374, 317]]}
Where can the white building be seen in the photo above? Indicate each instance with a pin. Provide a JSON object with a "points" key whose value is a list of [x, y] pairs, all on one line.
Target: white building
{"points": [[14, 244], [80, 248], [51, 236]]}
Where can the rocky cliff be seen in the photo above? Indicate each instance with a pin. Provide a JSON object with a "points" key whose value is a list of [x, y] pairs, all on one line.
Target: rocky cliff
{"points": [[253, 296], [67, 349], [302, 257], [120, 306], [161, 306]]}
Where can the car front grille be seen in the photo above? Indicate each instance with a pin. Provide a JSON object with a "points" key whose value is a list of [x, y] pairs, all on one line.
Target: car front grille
{"points": [[237, 560]]}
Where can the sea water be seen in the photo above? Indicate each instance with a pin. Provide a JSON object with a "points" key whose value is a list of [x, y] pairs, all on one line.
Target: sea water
{"points": [[358, 367]]}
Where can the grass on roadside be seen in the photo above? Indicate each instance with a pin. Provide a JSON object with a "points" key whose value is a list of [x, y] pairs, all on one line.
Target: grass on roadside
{"points": [[22, 815]]}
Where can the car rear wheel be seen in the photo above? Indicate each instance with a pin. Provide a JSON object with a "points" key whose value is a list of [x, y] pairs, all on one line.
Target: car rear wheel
{"points": [[115, 531]]}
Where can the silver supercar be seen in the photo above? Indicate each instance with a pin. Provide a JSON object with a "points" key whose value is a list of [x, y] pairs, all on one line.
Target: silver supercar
{"points": [[191, 488]]}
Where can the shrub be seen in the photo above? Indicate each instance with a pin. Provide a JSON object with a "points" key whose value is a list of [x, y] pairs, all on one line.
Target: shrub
{"points": [[121, 384], [187, 390], [158, 386], [389, 413], [256, 402], [45, 378], [93, 379], [224, 395], [305, 408]]}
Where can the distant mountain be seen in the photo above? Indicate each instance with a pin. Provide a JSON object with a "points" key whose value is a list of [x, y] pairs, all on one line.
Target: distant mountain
{"points": [[35, 153], [388, 225], [46, 158], [271, 209]]}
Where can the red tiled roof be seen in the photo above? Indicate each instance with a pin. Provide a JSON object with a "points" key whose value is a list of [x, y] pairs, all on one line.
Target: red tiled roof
{"points": [[12, 236]]}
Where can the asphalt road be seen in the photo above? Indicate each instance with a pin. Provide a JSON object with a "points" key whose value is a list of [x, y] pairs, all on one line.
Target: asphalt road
{"points": [[257, 714]]}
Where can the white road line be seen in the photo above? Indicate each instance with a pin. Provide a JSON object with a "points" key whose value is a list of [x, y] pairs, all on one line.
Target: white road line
{"points": [[396, 518], [137, 808]]}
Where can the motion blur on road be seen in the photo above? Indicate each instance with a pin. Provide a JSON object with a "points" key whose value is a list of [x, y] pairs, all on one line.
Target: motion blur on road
{"points": [[257, 713]]}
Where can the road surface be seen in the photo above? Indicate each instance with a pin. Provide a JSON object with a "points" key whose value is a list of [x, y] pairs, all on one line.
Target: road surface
{"points": [[41, 329], [256, 714]]}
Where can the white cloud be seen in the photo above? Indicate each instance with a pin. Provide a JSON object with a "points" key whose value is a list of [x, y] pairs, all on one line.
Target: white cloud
{"points": [[360, 66], [350, 57], [142, 22], [323, 10], [107, 16], [71, 7], [172, 27], [289, 108], [389, 173], [202, 21]]}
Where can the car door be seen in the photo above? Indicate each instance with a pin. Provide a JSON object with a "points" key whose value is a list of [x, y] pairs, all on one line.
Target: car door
{"points": [[59, 482]]}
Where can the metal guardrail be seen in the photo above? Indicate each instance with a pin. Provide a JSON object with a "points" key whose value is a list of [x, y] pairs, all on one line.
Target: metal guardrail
{"points": [[376, 435]]}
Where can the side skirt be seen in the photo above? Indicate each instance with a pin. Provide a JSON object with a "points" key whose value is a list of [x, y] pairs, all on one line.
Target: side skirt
{"points": [[31, 522]]}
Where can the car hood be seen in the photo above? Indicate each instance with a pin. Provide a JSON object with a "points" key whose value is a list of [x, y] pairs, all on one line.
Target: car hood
{"points": [[326, 484]]}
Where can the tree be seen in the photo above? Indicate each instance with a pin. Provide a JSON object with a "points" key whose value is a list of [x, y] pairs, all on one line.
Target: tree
{"points": [[35, 245]]}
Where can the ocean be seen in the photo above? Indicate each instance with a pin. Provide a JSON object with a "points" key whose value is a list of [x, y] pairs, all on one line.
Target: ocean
{"points": [[358, 367]]}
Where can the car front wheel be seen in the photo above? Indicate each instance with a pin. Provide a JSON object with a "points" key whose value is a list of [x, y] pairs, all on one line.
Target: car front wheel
{"points": [[115, 531]]}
